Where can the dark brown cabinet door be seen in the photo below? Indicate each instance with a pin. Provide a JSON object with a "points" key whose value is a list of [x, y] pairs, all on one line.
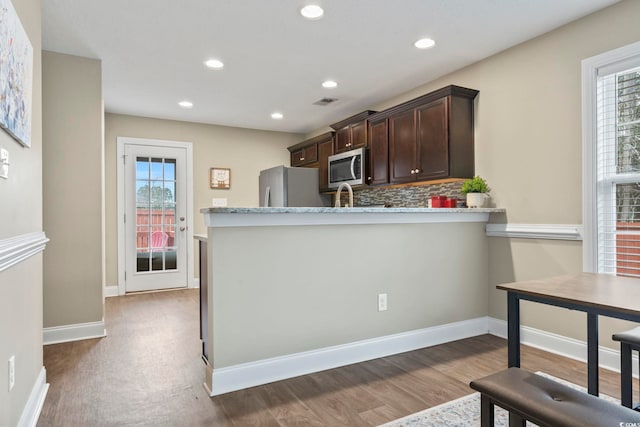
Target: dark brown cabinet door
{"points": [[351, 133], [325, 149], [297, 157], [402, 147], [358, 135], [432, 141], [378, 153], [343, 139], [305, 156]]}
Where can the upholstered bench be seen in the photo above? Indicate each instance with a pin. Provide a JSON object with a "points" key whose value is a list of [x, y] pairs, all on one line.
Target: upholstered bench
{"points": [[629, 341], [545, 402]]}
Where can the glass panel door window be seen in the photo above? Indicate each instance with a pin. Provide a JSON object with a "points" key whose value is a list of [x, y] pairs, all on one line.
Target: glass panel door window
{"points": [[155, 214]]}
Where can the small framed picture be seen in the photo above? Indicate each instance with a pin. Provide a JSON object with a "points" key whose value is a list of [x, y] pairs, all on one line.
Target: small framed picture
{"points": [[220, 178]]}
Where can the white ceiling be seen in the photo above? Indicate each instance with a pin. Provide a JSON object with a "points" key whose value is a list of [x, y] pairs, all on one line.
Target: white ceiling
{"points": [[152, 51]]}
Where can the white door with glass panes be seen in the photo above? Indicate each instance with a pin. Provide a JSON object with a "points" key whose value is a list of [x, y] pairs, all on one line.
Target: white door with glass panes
{"points": [[155, 220]]}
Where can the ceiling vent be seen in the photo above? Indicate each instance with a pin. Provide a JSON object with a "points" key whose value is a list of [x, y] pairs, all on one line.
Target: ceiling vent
{"points": [[325, 101]]}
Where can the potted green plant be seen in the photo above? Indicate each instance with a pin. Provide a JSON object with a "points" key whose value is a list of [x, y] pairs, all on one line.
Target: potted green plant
{"points": [[476, 190]]}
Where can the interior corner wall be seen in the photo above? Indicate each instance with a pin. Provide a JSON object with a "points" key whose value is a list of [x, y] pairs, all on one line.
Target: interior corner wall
{"points": [[20, 214], [528, 145], [245, 151], [73, 189]]}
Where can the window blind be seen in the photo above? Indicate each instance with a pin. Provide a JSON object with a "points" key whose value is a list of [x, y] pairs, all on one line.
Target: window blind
{"points": [[618, 171]]}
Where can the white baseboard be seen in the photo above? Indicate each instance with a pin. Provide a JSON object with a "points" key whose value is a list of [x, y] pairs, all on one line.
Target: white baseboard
{"points": [[564, 346], [111, 291], [31, 411], [195, 283], [264, 371], [81, 331]]}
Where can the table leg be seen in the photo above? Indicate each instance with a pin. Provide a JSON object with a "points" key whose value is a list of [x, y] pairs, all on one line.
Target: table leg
{"points": [[592, 353], [513, 326]]}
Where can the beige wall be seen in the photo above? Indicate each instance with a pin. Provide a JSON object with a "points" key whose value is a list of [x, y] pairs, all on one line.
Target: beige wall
{"points": [[21, 213], [309, 295], [529, 148], [245, 151], [72, 185]]}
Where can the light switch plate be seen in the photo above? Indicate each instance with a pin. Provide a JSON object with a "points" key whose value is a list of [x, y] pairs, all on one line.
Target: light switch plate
{"points": [[219, 203], [4, 163]]}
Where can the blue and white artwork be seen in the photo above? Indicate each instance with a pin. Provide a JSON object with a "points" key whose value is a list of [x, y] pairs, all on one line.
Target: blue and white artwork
{"points": [[16, 74]]}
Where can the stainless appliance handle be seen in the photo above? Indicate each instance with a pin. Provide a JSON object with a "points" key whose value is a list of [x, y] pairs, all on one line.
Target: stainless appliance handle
{"points": [[353, 167], [267, 193]]}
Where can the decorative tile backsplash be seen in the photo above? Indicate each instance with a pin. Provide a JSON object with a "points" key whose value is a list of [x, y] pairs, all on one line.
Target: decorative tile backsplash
{"points": [[405, 197]]}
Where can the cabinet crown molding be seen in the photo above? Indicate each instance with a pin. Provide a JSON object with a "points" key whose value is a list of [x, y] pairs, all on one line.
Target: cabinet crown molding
{"points": [[353, 119], [451, 90], [315, 140]]}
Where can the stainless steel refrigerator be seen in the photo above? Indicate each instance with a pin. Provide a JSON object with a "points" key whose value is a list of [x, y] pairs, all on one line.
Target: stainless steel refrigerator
{"points": [[283, 186]]}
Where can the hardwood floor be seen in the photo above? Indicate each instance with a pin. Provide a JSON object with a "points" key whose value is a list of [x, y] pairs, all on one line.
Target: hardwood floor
{"points": [[148, 372]]}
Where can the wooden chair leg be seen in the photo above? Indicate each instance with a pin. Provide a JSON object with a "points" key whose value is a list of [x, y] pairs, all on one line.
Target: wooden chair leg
{"points": [[486, 411]]}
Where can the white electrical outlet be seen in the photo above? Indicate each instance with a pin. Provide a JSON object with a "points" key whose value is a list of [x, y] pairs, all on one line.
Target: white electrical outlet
{"points": [[12, 372], [219, 202], [382, 302]]}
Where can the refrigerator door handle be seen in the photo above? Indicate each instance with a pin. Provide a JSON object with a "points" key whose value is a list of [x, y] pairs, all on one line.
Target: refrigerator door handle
{"points": [[267, 192]]}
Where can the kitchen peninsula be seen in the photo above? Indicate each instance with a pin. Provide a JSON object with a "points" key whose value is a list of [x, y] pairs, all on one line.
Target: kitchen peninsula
{"points": [[298, 290]]}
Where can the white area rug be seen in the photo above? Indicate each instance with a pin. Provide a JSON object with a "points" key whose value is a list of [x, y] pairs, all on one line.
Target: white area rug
{"points": [[465, 412]]}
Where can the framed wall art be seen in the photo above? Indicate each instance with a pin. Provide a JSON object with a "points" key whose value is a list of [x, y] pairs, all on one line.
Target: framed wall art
{"points": [[220, 178], [16, 75]]}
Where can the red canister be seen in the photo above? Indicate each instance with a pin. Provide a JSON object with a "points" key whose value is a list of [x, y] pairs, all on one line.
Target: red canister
{"points": [[451, 203], [438, 201]]}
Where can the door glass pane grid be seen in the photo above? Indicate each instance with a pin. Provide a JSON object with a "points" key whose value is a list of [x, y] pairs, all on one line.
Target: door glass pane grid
{"points": [[155, 214]]}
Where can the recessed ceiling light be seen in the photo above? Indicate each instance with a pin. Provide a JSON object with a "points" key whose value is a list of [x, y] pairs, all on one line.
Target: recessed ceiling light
{"points": [[185, 104], [277, 116], [312, 11], [424, 43], [214, 64], [329, 84]]}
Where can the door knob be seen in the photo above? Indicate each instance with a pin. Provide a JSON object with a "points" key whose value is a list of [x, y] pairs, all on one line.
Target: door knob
{"points": [[181, 218], [182, 228]]}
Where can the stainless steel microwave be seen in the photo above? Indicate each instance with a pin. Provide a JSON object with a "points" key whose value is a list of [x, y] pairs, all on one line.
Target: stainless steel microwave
{"points": [[347, 167]]}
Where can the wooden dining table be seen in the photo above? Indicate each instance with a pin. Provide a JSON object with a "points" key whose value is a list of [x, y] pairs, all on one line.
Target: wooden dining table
{"points": [[595, 294]]}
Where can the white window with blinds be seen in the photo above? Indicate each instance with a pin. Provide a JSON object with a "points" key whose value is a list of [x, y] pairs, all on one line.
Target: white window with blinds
{"points": [[611, 162]]}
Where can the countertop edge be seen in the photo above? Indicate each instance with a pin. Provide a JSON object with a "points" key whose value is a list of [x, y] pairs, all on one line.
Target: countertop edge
{"points": [[269, 217], [326, 210]]}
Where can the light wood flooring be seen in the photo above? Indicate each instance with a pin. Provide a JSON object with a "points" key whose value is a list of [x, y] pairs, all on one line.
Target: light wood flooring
{"points": [[148, 372]]}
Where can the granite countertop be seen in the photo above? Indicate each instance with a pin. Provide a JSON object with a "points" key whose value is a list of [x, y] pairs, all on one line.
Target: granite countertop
{"points": [[328, 210], [238, 217]]}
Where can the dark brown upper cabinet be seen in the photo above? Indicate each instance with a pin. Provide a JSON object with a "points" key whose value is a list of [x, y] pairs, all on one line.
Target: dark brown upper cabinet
{"points": [[431, 137], [425, 139], [304, 156], [305, 153], [351, 133], [378, 142]]}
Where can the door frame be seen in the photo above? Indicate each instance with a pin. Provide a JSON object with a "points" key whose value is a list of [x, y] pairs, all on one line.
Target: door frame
{"points": [[120, 146]]}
